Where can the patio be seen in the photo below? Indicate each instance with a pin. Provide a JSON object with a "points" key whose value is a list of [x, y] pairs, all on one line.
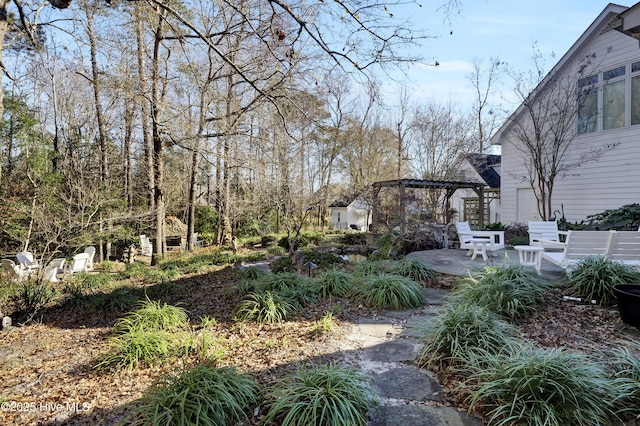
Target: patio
{"points": [[456, 262]]}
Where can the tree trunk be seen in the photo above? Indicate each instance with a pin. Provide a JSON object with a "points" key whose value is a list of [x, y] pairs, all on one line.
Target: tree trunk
{"points": [[3, 31], [144, 106], [102, 133], [158, 146]]}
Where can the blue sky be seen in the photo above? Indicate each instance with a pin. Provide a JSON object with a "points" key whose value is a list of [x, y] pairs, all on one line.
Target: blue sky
{"points": [[506, 29]]}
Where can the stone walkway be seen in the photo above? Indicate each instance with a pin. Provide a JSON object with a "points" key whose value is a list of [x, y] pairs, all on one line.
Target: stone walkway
{"points": [[385, 348]]}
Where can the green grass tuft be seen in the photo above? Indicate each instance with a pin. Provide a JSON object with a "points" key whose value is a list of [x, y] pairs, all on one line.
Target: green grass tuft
{"points": [[139, 347], [414, 269], [462, 328], [321, 395], [152, 316], [392, 291], [333, 283], [512, 291], [200, 395], [265, 307], [594, 279], [539, 387]]}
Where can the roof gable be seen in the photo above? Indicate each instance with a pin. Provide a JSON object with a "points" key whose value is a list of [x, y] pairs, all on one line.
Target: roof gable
{"points": [[607, 20], [484, 164]]}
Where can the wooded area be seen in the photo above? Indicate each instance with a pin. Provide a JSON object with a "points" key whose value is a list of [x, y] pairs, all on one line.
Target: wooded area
{"points": [[238, 118]]}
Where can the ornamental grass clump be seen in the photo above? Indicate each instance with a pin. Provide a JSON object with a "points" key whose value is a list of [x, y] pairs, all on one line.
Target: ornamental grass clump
{"points": [[368, 268], [252, 273], [461, 329], [624, 367], [152, 316], [322, 395], [139, 347], [545, 387], [144, 336], [201, 395], [119, 300], [263, 307], [333, 283], [595, 277], [281, 281], [29, 296], [390, 291], [512, 291], [414, 269]]}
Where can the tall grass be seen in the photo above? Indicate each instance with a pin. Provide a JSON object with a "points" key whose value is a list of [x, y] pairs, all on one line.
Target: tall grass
{"points": [[333, 283], [392, 291], [542, 387], [281, 281], [511, 291], [414, 269], [139, 347], [321, 395], [461, 329], [30, 296], [624, 366], [120, 299], [152, 315], [594, 279], [144, 336], [368, 268], [200, 395], [265, 307]]}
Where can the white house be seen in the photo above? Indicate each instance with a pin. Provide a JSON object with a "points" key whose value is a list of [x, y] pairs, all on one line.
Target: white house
{"points": [[604, 66], [350, 215]]}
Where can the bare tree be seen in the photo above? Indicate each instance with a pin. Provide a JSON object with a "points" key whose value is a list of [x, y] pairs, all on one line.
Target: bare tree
{"points": [[439, 134], [484, 80], [545, 125]]}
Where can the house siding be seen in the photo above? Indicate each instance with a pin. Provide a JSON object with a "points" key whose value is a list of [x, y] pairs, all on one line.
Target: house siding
{"points": [[607, 183]]}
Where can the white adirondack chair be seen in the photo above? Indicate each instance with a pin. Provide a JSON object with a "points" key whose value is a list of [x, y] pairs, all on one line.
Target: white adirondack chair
{"points": [[625, 248], [53, 269], [14, 271], [91, 251], [78, 264], [27, 261], [146, 248], [478, 242], [545, 234]]}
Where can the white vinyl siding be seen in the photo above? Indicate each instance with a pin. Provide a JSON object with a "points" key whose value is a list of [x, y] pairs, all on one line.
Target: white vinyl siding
{"points": [[612, 180]]}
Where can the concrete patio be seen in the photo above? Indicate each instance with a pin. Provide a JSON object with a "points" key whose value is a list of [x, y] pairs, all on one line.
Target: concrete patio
{"points": [[456, 261]]}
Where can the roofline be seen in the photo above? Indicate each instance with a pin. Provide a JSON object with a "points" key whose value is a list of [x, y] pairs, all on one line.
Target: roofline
{"points": [[593, 30], [422, 183]]}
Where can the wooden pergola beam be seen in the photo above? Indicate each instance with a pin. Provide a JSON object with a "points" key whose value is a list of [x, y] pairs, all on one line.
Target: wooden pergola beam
{"points": [[448, 186]]}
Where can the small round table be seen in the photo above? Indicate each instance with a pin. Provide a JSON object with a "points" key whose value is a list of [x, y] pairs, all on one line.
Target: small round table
{"points": [[480, 247], [530, 256]]}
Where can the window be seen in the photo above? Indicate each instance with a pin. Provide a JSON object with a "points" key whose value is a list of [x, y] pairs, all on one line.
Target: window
{"points": [[613, 105], [603, 103], [635, 94], [616, 72], [635, 100], [588, 111]]}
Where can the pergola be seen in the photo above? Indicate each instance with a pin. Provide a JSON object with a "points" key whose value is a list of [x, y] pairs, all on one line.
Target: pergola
{"points": [[449, 187]]}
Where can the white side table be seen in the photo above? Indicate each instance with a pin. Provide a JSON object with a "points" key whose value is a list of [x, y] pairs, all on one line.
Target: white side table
{"points": [[530, 256], [480, 247]]}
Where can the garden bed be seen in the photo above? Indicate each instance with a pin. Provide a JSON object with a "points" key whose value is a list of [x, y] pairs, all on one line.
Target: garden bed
{"points": [[48, 361]]}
